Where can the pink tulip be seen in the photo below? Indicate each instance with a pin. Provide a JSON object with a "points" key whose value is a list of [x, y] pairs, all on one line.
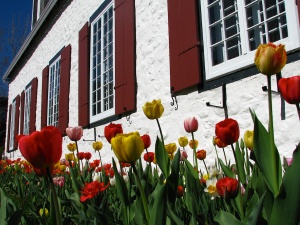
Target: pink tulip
{"points": [[183, 155], [289, 161], [191, 124], [74, 133]]}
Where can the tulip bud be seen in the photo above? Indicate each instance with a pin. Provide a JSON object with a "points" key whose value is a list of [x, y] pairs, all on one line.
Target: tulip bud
{"points": [[201, 154], [248, 139], [228, 188], [183, 141], [191, 125], [171, 148], [290, 89], [228, 131], [270, 59], [180, 191], [97, 145], [147, 141], [153, 110], [74, 133]]}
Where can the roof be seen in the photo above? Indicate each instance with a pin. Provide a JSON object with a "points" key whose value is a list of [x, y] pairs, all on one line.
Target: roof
{"points": [[29, 39]]}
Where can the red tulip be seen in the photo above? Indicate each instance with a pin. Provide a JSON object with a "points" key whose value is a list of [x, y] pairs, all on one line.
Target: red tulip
{"points": [[290, 89], [43, 148], [149, 157], [80, 155], [112, 130], [191, 124], [228, 131], [180, 191], [228, 188], [201, 154], [147, 141], [87, 155], [74, 133]]}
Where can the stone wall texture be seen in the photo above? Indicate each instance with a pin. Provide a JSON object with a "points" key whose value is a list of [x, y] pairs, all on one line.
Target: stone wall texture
{"points": [[153, 79]]}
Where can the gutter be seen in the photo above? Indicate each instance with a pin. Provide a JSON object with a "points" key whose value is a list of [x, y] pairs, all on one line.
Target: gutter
{"points": [[40, 21]]}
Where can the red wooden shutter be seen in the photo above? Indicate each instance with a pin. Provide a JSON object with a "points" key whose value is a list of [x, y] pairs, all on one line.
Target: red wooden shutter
{"points": [[45, 80], [83, 75], [125, 81], [33, 100], [17, 117], [64, 89], [8, 128], [22, 112], [184, 44]]}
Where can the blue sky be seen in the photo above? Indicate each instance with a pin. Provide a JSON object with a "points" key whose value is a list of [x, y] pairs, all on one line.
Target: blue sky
{"points": [[10, 9]]}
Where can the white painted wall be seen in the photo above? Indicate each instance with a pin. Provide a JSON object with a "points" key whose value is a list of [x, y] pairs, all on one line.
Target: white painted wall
{"points": [[153, 74]]}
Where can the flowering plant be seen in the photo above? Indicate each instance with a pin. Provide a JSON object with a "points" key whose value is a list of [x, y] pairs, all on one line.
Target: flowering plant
{"points": [[160, 187]]}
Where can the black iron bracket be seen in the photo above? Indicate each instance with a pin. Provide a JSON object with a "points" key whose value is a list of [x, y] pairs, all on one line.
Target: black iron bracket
{"points": [[127, 115], [174, 99], [224, 101], [95, 135]]}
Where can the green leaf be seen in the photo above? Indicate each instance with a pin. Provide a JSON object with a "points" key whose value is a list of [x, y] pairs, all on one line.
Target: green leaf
{"points": [[225, 218], [159, 207], [3, 207], [255, 212], [173, 217], [228, 172], [172, 180], [240, 164], [121, 186], [15, 218], [162, 157], [267, 157], [286, 206]]}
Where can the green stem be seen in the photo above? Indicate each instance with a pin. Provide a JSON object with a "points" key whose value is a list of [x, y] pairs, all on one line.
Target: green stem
{"points": [[194, 149], [77, 157], [205, 166], [144, 200], [271, 127], [218, 165], [55, 199], [160, 131], [271, 131], [225, 156]]}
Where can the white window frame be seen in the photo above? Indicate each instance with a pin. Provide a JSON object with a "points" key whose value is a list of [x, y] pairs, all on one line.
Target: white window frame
{"points": [[27, 101], [53, 92], [246, 59], [110, 111], [12, 125]]}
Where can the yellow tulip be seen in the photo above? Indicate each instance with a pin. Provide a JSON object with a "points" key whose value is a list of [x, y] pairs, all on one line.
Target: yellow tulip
{"points": [[153, 110], [127, 147], [97, 145], [44, 212], [71, 147], [248, 139], [183, 141], [171, 148], [69, 157], [270, 59]]}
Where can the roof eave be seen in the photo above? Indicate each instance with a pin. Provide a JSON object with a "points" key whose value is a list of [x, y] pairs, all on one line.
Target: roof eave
{"points": [[40, 21]]}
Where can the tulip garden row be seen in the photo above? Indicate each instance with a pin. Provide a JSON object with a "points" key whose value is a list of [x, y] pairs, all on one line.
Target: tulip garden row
{"points": [[255, 189]]}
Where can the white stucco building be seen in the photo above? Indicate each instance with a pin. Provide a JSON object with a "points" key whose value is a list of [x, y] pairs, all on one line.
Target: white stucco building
{"points": [[92, 62]]}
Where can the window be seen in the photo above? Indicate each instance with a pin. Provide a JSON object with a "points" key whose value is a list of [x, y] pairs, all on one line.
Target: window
{"points": [[106, 69], [27, 100], [53, 93], [28, 108], [102, 65], [13, 124], [37, 10], [234, 29]]}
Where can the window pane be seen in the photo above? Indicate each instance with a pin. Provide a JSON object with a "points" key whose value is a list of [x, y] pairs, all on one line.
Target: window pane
{"points": [[217, 54], [214, 13], [233, 48], [269, 15], [216, 33]]}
